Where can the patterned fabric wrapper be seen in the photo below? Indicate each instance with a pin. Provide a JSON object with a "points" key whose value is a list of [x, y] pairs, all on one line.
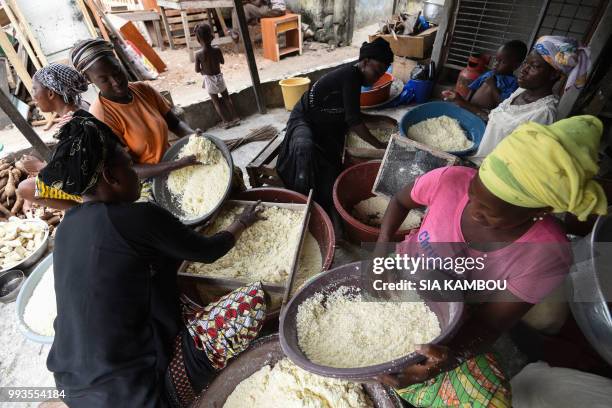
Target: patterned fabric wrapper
{"points": [[225, 328], [477, 383], [44, 191], [78, 158], [565, 55]]}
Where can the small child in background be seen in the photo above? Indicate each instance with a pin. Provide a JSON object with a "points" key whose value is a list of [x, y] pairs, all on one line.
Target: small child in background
{"points": [[493, 87], [208, 61], [500, 81]]}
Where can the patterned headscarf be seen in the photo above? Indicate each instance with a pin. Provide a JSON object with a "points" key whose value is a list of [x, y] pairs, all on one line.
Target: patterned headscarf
{"points": [[79, 157], [565, 55], [85, 53], [63, 80], [539, 166]]}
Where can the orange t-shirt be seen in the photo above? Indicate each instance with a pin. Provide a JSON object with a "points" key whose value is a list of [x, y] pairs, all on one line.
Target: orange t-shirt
{"points": [[140, 124]]}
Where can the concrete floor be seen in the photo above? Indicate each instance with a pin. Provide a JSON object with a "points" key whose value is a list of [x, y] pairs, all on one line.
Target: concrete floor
{"points": [[23, 363]]}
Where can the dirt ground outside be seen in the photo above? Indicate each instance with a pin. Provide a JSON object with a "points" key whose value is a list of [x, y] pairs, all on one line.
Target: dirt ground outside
{"points": [[185, 85]]}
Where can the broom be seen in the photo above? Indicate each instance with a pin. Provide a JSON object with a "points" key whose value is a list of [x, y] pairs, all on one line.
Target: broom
{"points": [[261, 134]]}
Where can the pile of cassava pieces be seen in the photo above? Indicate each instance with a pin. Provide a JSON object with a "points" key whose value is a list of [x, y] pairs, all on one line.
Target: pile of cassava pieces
{"points": [[12, 172]]}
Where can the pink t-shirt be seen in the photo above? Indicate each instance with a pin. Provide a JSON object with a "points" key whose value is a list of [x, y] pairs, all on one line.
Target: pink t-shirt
{"points": [[532, 266]]}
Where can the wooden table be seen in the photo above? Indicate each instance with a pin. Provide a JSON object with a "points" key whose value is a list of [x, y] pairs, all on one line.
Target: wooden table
{"points": [[151, 20], [185, 5]]}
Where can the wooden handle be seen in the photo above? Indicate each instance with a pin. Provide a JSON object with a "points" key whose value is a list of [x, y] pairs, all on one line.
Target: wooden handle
{"points": [[298, 249]]}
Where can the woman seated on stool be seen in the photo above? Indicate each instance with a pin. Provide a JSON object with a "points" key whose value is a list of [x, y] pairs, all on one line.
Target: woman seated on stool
{"points": [[122, 338], [501, 211]]}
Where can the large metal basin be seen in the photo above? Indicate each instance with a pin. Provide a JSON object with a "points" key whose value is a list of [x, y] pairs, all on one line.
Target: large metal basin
{"points": [[267, 351], [591, 286], [164, 197]]}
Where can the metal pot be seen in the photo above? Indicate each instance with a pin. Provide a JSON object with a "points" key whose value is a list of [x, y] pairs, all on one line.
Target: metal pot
{"points": [[267, 351], [165, 199], [591, 286], [433, 11]]}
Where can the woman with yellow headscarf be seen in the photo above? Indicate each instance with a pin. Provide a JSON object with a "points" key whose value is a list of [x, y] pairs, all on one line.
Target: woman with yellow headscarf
{"points": [[501, 213]]}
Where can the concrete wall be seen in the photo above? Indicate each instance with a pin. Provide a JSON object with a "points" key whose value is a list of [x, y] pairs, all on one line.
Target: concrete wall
{"points": [[203, 115], [57, 25], [319, 14], [329, 19], [369, 12], [409, 6]]}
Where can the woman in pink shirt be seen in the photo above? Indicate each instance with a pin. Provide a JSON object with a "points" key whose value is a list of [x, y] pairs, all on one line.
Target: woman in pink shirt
{"points": [[502, 212]]}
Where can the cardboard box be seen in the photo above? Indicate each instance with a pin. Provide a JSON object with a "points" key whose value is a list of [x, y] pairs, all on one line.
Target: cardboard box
{"points": [[402, 67], [418, 46]]}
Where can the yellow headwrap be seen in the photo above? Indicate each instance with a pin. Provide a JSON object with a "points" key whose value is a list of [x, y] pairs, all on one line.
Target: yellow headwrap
{"points": [[539, 166]]}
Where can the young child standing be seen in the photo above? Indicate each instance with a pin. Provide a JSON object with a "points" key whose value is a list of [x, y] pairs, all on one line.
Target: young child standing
{"points": [[208, 62]]}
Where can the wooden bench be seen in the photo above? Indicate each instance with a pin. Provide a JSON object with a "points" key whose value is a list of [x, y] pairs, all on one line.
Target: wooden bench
{"points": [[262, 169]]}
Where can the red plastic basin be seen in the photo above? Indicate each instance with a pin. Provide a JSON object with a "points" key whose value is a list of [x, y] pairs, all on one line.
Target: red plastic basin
{"points": [[379, 93], [352, 186]]}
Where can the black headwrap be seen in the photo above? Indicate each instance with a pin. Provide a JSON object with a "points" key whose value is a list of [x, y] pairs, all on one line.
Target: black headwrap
{"points": [[379, 50], [80, 155]]}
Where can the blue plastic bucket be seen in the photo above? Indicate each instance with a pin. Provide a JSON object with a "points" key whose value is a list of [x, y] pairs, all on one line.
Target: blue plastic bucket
{"points": [[422, 89]]}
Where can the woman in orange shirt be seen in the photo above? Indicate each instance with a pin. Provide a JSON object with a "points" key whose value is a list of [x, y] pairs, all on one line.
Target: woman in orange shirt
{"points": [[136, 112]]}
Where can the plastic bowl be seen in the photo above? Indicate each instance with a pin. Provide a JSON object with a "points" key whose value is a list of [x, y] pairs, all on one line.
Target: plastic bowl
{"points": [[24, 296], [164, 197], [352, 186], [473, 126], [448, 313], [379, 92]]}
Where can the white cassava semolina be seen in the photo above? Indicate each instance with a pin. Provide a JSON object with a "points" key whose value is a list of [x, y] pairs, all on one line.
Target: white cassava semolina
{"points": [[288, 386], [371, 211], [41, 309], [383, 135], [442, 133], [199, 188], [344, 331], [265, 250]]}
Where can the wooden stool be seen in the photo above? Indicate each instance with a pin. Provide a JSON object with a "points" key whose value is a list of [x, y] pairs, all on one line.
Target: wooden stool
{"points": [[291, 26], [262, 169]]}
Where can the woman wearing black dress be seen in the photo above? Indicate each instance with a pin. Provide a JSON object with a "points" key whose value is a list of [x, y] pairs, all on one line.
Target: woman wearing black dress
{"points": [[310, 156]]}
